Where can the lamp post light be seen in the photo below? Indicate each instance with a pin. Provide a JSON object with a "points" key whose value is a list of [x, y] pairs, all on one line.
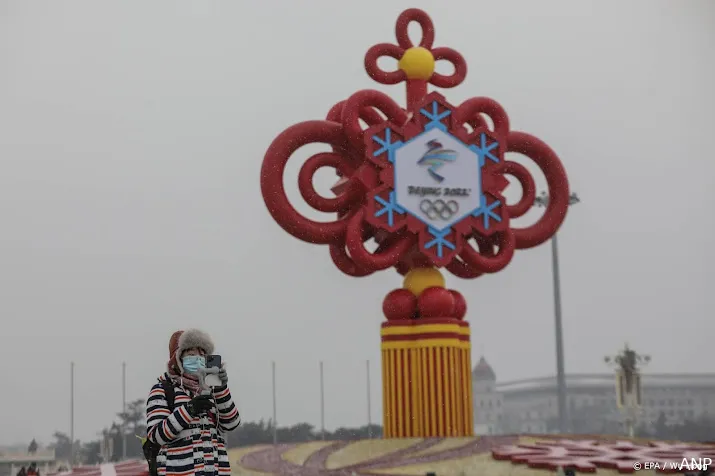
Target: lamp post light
{"points": [[628, 384], [542, 201]]}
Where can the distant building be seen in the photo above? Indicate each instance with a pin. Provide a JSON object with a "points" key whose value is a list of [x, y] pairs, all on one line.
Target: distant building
{"points": [[530, 405], [488, 402], [10, 463]]}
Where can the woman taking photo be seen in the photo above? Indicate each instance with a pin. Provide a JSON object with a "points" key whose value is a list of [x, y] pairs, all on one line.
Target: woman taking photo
{"points": [[185, 423]]}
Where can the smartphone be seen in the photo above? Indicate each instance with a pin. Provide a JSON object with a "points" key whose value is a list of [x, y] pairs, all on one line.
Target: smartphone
{"points": [[213, 364], [213, 361]]}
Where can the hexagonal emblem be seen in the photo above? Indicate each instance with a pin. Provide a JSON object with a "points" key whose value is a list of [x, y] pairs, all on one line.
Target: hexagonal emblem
{"points": [[436, 179]]}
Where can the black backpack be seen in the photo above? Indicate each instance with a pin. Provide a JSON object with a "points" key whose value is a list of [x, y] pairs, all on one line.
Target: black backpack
{"points": [[151, 449]]}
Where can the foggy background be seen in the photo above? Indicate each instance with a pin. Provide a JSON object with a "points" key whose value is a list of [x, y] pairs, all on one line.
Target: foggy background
{"points": [[131, 140]]}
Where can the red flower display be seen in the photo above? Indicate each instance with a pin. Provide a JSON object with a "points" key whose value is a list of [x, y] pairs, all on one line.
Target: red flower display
{"points": [[587, 455], [384, 194]]}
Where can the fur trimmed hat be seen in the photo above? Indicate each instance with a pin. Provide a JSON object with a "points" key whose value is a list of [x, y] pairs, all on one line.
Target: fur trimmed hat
{"points": [[188, 339], [174, 343], [192, 338]]}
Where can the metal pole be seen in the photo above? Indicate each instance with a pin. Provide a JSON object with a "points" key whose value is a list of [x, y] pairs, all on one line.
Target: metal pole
{"points": [[369, 402], [564, 426], [124, 410], [72, 414], [275, 421], [560, 372], [322, 403], [631, 417]]}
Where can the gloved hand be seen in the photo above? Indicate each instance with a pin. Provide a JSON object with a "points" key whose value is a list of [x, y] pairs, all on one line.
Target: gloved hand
{"points": [[223, 376], [199, 404]]}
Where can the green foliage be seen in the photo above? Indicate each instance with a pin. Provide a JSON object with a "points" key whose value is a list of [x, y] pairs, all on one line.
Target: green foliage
{"points": [[697, 430], [32, 448], [62, 445], [90, 453], [131, 424], [261, 432]]}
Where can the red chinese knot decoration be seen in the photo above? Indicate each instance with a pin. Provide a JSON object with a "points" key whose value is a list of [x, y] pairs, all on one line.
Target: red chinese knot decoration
{"points": [[425, 181]]}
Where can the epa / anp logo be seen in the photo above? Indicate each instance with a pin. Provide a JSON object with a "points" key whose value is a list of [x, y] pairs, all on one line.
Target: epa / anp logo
{"points": [[687, 465]]}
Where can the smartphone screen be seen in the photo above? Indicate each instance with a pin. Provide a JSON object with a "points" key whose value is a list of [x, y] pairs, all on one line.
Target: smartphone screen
{"points": [[213, 361]]}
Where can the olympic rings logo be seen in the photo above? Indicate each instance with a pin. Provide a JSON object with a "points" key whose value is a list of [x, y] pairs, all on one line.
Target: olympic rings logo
{"points": [[439, 209]]}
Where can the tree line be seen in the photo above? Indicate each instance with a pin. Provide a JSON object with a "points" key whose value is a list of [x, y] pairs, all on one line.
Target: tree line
{"points": [[696, 430], [596, 419], [130, 426]]}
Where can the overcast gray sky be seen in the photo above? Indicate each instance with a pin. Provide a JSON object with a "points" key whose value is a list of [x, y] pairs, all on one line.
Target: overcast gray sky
{"points": [[131, 140]]}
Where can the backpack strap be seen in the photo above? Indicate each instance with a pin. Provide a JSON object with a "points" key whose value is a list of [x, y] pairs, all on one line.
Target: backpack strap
{"points": [[151, 449], [169, 393]]}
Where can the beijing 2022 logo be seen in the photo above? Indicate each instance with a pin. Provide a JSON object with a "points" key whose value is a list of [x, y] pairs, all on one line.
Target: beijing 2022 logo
{"points": [[436, 156]]}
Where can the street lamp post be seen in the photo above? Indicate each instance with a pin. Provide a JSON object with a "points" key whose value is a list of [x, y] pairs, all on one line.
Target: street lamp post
{"points": [[628, 384], [542, 201], [124, 410], [72, 452]]}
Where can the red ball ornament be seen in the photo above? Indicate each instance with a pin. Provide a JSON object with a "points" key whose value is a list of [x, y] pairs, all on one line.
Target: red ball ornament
{"points": [[399, 304], [435, 302], [460, 305]]}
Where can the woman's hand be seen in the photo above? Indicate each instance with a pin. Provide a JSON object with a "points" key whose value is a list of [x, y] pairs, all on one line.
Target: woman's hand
{"points": [[199, 405], [223, 376]]}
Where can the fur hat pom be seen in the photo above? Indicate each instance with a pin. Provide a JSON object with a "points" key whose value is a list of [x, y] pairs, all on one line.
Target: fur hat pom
{"points": [[192, 338]]}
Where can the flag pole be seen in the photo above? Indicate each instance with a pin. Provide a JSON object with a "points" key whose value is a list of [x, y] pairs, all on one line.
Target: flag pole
{"points": [[72, 414], [124, 410], [369, 401], [275, 421], [322, 403]]}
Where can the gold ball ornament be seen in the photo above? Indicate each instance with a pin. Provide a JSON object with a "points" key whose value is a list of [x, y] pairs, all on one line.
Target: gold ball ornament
{"points": [[419, 279], [417, 63]]}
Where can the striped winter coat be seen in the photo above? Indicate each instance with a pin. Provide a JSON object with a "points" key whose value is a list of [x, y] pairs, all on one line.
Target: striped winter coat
{"points": [[190, 445]]}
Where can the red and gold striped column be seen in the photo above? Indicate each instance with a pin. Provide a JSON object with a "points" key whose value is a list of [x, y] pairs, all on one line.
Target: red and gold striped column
{"points": [[426, 378]]}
